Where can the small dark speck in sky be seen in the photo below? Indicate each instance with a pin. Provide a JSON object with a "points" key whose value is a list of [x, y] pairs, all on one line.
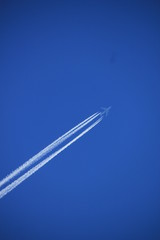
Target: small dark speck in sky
{"points": [[113, 58]]}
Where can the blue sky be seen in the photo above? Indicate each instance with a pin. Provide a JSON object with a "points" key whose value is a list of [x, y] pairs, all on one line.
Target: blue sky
{"points": [[61, 62]]}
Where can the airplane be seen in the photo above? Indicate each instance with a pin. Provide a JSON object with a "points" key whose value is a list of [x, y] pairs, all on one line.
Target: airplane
{"points": [[105, 111]]}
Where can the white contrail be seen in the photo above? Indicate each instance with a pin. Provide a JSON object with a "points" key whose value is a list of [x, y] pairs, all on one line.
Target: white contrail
{"points": [[14, 184], [49, 148]]}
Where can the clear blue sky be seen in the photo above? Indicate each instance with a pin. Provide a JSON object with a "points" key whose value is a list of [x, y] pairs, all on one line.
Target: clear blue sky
{"points": [[60, 62]]}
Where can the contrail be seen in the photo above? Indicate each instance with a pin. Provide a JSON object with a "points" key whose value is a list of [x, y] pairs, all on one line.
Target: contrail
{"points": [[11, 186], [49, 148], [6, 189]]}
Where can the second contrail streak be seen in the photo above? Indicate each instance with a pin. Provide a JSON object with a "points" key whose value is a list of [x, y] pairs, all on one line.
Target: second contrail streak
{"points": [[11, 186]]}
